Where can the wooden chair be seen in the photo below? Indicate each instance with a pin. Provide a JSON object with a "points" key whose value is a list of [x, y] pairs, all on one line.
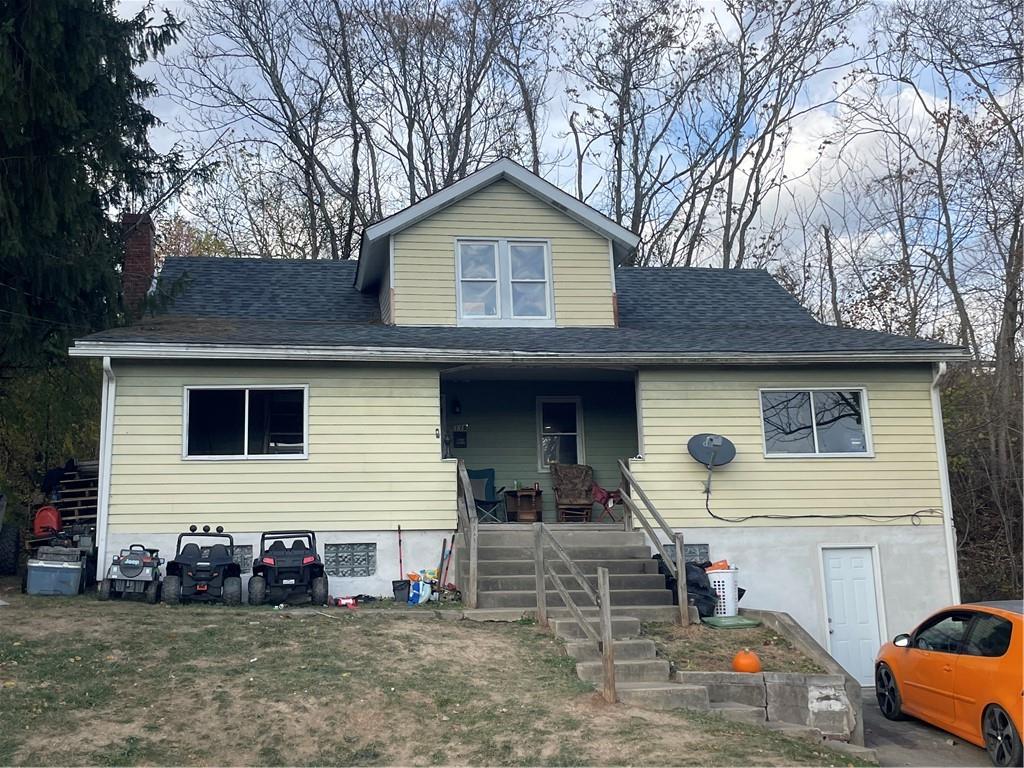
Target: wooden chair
{"points": [[573, 485]]}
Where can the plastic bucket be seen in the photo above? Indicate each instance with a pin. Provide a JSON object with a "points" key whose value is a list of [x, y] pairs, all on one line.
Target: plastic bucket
{"points": [[401, 590]]}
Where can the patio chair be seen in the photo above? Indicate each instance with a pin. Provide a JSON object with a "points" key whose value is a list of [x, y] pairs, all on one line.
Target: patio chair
{"points": [[490, 503], [574, 491]]}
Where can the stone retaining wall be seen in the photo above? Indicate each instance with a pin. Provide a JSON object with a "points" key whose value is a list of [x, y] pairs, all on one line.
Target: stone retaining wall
{"points": [[816, 701]]}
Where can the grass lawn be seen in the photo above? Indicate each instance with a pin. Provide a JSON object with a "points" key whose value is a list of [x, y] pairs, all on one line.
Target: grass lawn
{"points": [[84, 682], [700, 648]]}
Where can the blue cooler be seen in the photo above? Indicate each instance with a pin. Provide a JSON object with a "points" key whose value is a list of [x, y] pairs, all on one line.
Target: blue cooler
{"points": [[54, 571]]}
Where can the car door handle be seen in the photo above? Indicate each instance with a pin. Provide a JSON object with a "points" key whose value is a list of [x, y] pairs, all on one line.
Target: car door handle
{"points": [[947, 668]]}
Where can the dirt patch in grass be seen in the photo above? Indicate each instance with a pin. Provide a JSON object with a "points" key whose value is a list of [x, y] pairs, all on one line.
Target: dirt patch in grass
{"points": [[700, 648], [84, 682]]}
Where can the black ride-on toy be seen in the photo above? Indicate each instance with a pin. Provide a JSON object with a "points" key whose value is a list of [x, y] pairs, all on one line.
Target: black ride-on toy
{"points": [[204, 570], [284, 572], [133, 571]]}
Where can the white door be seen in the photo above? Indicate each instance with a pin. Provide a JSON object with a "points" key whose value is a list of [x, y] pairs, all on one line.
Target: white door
{"points": [[852, 608]]}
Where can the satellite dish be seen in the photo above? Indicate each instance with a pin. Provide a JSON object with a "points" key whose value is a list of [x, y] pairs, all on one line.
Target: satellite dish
{"points": [[711, 450]]}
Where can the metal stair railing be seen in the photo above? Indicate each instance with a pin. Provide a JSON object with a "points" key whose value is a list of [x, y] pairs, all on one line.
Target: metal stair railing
{"points": [[675, 565], [601, 599]]}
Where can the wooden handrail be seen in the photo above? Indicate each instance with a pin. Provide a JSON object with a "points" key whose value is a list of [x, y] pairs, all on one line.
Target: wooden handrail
{"points": [[469, 523], [601, 598], [676, 565]]}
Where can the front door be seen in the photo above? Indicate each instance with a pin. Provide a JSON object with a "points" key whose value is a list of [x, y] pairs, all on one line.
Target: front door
{"points": [[852, 608]]}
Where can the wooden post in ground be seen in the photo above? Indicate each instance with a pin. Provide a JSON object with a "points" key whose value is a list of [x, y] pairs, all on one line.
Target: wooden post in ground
{"points": [[474, 560], [607, 641], [682, 594], [540, 574]]}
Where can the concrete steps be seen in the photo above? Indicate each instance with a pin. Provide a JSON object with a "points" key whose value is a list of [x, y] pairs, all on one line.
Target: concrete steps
{"points": [[566, 535], [588, 552], [525, 567], [528, 599], [739, 713], [663, 695], [626, 671], [527, 581], [658, 613], [623, 627], [587, 650]]}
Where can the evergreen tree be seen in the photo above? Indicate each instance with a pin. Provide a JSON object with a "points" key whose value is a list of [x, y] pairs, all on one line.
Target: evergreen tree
{"points": [[74, 152]]}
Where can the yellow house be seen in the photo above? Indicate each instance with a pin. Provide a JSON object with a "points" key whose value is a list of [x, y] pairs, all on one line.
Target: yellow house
{"points": [[489, 324]]}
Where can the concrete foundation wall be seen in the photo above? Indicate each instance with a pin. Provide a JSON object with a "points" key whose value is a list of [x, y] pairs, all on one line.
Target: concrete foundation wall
{"points": [[781, 570], [420, 549]]}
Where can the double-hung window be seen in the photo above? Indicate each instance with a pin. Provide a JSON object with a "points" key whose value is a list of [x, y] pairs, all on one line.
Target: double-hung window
{"points": [[245, 422], [504, 282], [559, 431], [815, 422]]}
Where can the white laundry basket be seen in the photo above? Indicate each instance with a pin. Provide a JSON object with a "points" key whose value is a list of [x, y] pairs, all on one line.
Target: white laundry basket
{"points": [[727, 589]]}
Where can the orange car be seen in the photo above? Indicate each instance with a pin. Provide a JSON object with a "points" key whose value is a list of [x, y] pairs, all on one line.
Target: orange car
{"points": [[963, 671]]}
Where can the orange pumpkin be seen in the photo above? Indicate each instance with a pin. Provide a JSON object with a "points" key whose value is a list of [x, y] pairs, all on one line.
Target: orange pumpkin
{"points": [[746, 661]]}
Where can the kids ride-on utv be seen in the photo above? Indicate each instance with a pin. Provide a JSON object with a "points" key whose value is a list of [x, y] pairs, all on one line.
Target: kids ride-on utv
{"points": [[204, 571], [134, 571], [283, 573]]}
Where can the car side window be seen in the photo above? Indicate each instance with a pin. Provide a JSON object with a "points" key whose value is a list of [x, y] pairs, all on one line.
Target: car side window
{"points": [[990, 636], [944, 633]]}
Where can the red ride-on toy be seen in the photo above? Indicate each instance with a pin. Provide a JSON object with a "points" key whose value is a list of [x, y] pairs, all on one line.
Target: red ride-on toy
{"points": [[285, 572], [204, 569]]}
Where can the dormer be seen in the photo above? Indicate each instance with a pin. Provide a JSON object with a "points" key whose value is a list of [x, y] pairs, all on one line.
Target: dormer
{"points": [[501, 247]]}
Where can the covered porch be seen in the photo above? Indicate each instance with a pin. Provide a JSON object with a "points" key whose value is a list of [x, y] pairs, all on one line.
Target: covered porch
{"points": [[518, 421]]}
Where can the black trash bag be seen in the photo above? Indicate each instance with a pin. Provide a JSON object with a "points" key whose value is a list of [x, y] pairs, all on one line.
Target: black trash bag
{"points": [[698, 586]]}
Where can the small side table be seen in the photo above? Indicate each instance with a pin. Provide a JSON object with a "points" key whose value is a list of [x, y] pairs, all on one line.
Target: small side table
{"points": [[524, 505]]}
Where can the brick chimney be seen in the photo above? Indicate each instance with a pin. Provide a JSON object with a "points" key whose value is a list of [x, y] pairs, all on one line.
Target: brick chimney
{"points": [[139, 260]]}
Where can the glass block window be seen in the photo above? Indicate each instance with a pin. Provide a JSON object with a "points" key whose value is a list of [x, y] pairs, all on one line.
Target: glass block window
{"points": [[243, 556], [350, 560]]}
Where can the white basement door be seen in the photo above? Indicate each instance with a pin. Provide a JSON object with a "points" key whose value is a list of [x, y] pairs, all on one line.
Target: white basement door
{"points": [[852, 608]]}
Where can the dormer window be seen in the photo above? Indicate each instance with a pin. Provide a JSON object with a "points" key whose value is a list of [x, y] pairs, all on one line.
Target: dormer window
{"points": [[504, 282]]}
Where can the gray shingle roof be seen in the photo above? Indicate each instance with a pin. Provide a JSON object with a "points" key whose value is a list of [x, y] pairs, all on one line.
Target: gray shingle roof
{"points": [[661, 311]]}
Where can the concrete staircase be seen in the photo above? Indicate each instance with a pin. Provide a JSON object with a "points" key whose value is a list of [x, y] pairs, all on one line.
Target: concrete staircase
{"points": [[507, 586]]}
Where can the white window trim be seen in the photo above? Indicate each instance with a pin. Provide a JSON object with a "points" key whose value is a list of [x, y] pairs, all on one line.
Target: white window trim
{"points": [[245, 428], [869, 447], [580, 442], [504, 283]]}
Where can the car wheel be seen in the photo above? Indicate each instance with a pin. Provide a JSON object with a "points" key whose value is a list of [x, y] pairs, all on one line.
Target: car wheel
{"points": [[153, 591], [887, 693], [257, 590], [232, 591], [318, 590], [1001, 739], [172, 590], [103, 593]]}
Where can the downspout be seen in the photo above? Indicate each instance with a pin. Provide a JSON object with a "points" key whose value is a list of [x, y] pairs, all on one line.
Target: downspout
{"points": [[947, 498], [106, 454]]}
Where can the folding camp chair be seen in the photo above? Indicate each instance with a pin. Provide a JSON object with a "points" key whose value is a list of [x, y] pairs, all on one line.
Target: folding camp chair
{"points": [[490, 503]]}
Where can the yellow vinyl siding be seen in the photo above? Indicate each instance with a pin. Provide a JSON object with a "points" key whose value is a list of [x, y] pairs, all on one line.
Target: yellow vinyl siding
{"points": [[901, 478], [373, 453], [425, 257]]}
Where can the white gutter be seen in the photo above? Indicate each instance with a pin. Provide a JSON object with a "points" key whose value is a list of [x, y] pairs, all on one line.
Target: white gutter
{"points": [[106, 454], [178, 351], [947, 497]]}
